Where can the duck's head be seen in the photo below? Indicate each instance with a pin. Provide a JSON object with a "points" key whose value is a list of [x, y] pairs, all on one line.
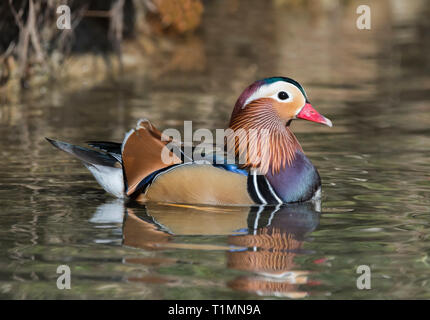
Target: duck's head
{"points": [[267, 107], [283, 95]]}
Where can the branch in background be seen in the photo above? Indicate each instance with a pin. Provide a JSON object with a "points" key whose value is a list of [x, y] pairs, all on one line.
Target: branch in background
{"points": [[33, 11], [116, 27], [27, 32], [23, 41]]}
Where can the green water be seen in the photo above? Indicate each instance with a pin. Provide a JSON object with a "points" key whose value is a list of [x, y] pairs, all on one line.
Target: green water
{"points": [[374, 163]]}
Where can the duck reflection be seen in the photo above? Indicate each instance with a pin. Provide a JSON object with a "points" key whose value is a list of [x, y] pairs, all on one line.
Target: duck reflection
{"points": [[275, 237], [260, 240]]}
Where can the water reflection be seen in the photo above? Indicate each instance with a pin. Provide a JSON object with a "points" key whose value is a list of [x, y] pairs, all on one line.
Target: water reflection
{"points": [[261, 241], [275, 237]]}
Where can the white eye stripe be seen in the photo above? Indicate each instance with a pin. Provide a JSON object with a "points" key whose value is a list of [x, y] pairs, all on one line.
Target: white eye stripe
{"points": [[271, 91]]}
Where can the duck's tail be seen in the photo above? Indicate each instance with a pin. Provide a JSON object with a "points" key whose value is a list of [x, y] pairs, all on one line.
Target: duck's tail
{"points": [[106, 167]]}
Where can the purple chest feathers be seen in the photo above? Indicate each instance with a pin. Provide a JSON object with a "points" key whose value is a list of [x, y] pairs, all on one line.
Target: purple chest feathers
{"points": [[297, 182]]}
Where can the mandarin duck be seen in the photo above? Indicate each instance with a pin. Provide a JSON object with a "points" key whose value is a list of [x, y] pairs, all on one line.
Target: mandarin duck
{"points": [[272, 170]]}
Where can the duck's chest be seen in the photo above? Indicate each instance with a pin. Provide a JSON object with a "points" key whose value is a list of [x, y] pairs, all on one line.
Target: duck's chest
{"points": [[295, 183]]}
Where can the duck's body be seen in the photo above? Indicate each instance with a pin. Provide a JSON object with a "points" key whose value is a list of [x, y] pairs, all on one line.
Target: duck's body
{"points": [[217, 185], [272, 171]]}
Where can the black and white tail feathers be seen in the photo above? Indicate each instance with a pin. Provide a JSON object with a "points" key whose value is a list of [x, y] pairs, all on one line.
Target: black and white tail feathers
{"points": [[105, 165]]}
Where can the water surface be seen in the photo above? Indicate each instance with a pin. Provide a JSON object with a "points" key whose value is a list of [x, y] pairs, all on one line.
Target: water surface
{"points": [[374, 163]]}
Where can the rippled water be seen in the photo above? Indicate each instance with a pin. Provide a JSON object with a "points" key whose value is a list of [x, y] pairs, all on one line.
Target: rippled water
{"points": [[374, 164]]}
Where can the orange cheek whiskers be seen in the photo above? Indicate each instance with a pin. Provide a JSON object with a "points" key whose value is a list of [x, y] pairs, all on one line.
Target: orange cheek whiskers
{"points": [[269, 144]]}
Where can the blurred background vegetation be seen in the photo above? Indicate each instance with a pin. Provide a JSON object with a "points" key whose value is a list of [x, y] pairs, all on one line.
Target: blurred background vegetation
{"points": [[107, 36], [31, 44]]}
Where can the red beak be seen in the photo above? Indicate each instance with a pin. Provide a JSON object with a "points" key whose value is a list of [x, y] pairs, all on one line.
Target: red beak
{"points": [[309, 113]]}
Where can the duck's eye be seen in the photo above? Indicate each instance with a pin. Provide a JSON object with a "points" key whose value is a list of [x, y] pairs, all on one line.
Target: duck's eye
{"points": [[282, 95]]}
